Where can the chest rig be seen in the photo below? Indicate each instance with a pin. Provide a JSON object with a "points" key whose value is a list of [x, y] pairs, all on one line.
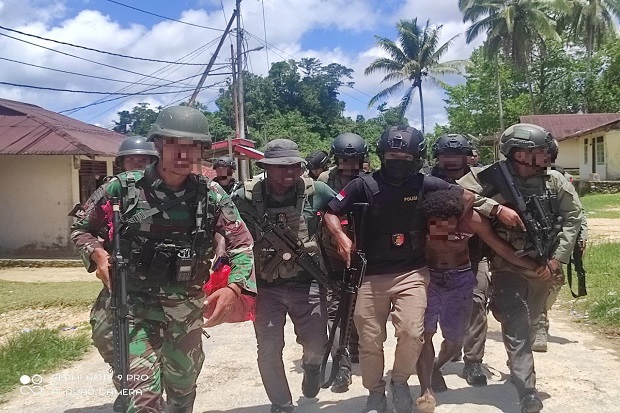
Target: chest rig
{"points": [[396, 231], [167, 236], [542, 203], [291, 218]]}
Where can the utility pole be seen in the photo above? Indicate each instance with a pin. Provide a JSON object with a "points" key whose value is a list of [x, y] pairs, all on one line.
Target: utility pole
{"points": [[234, 96], [240, 73], [201, 82]]}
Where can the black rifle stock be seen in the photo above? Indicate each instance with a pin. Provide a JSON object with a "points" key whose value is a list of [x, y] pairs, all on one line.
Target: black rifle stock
{"points": [[118, 305], [351, 281], [285, 243]]}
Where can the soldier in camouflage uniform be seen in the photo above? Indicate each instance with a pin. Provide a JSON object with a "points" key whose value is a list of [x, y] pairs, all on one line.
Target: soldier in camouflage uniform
{"points": [[165, 304], [519, 295], [285, 288]]}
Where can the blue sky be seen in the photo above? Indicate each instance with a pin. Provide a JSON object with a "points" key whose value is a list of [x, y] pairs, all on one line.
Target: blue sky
{"points": [[340, 31]]}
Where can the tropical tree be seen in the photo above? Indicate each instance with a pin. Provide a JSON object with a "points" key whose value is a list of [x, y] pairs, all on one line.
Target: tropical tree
{"points": [[413, 58], [513, 27]]}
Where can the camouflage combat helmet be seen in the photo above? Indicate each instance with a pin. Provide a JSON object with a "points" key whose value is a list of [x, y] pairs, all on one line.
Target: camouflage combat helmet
{"points": [[135, 145], [402, 138], [181, 122], [349, 145], [524, 136], [451, 143], [225, 161]]}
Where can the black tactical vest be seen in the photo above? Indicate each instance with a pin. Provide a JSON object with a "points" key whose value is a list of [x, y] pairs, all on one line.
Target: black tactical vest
{"points": [[396, 231]]}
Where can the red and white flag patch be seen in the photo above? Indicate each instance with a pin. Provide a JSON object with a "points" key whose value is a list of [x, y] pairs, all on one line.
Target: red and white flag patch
{"points": [[341, 195]]}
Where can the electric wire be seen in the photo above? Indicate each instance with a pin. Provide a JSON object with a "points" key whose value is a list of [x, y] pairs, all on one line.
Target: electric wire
{"points": [[265, 31], [145, 59], [165, 17], [91, 92]]}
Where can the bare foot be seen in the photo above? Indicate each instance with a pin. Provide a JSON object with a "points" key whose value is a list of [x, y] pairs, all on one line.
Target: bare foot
{"points": [[426, 403]]}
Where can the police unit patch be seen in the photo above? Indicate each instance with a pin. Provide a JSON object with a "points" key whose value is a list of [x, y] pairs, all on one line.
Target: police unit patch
{"points": [[398, 239], [341, 195]]}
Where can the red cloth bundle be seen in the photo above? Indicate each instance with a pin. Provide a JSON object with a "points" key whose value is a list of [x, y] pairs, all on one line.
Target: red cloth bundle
{"points": [[245, 306]]}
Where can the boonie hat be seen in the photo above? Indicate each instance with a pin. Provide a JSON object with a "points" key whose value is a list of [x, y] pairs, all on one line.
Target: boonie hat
{"points": [[281, 152]]}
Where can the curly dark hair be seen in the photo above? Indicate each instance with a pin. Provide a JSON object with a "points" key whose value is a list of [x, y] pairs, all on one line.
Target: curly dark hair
{"points": [[442, 204]]}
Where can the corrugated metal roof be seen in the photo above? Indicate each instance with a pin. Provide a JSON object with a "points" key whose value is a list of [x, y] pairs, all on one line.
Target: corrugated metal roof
{"points": [[27, 129], [569, 125]]}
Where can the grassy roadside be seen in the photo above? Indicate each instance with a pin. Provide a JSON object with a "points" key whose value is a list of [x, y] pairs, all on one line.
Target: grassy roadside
{"points": [[602, 205], [20, 295], [40, 350], [602, 304]]}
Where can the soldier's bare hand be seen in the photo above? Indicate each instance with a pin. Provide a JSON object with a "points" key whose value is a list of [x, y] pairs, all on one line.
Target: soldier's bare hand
{"points": [[219, 305], [543, 272], [102, 260], [510, 218], [344, 248]]}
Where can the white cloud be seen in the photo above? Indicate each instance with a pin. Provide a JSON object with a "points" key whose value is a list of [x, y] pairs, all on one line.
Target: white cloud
{"points": [[288, 21]]}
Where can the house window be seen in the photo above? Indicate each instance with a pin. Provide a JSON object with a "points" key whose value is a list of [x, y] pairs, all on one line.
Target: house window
{"points": [[92, 174], [585, 151], [600, 151]]}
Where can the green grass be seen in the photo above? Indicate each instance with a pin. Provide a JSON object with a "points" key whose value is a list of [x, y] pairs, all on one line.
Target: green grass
{"points": [[602, 304], [38, 351], [602, 205], [19, 295]]}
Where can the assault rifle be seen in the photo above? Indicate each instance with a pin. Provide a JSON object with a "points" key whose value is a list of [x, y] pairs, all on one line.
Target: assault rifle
{"points": [[285, 244], [351, 282], [576, 261], [541, 232], [118, 305]]}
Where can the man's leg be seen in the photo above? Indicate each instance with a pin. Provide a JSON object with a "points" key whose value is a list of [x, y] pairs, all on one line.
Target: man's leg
{"points": [[454, 317], [476, 333], [540, 324], [408, 293], [426, 402], [371, 313], [308, 312], [102, 321], [271, 309], [182, 354], [509, 306]]}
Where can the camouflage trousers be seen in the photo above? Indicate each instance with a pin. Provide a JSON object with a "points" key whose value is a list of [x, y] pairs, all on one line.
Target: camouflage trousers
{"points": [[165, 345]]}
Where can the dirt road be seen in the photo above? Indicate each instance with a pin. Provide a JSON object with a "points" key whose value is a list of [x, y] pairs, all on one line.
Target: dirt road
{"points": [[579, 373]]}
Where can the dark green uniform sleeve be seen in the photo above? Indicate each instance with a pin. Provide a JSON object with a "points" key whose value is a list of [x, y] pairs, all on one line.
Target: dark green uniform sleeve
{"points": [[93, 229], [239, 241]]}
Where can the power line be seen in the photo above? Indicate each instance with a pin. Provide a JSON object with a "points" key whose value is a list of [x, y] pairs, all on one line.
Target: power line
{"points": [[91, 92], [93, 76], [164, 17], [123, 97], [144, 59], [82, 58]]}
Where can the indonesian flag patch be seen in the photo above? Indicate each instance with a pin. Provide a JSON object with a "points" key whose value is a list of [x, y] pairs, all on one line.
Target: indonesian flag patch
{"points": [[341, 195]]}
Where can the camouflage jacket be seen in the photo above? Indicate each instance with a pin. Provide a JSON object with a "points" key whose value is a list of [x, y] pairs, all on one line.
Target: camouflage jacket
{"points": [[92, 229]]}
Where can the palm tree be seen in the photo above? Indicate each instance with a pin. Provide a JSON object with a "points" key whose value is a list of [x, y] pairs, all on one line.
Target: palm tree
{"points": [[592, 21], [413, 58], [513, 27]]}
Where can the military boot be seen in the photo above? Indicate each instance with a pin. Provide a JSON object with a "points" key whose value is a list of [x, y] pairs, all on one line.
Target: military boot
{"points": [[343, 381], [311, 385], [401, 397], [473, 374], [276, 408], [438, 384], [540, 340], [177, 409], [531, 403], [118, 406], [375, 403]]}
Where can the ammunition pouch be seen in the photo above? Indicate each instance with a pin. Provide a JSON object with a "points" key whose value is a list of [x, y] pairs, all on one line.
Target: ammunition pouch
{"points": [[165, 262]]}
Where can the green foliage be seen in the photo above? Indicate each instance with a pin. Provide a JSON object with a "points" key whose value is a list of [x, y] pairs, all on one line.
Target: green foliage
{"points": [[20, 295], [136, 122], [36, 352]]}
